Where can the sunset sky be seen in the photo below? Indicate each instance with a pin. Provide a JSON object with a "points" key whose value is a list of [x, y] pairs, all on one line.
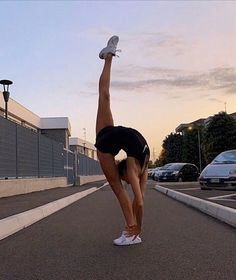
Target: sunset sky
{"points": [[178, 61]]}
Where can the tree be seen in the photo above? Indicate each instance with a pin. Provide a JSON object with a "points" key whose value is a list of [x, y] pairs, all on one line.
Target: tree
{"points": [[161, 159], [191, 141], [219, 135], [172, 148]]}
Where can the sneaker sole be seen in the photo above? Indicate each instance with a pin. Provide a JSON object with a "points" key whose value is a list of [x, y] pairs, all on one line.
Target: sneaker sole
{"points": [[129, 243]]}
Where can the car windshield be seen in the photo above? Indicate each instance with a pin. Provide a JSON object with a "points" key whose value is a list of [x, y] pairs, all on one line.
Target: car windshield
{"points": [[165, 166], [175, 167], [225, 157]]}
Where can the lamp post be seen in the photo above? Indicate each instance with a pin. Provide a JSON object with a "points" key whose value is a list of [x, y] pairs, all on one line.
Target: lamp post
{"points": [[6, 93], [84, 129], [199, 146]]}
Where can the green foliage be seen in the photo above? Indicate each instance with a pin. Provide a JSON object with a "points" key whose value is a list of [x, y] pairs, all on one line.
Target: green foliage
{"points": [[172, 148], [190, 147], [219, 135]]}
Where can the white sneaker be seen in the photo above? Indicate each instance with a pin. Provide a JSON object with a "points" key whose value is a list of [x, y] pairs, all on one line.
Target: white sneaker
{"points": [[110, 48], [122, 237], [124, 241]]}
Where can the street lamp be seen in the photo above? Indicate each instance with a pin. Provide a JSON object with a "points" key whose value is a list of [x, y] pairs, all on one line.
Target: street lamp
{"points": [[6, 93], [199, 146], [84, 129]]}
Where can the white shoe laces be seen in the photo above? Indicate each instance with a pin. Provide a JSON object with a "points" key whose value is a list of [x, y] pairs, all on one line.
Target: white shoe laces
{"points": [[116, 55]]}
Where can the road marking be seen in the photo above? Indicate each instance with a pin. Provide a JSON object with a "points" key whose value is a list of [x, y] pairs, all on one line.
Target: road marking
{"points": [[223, 213], [189, 189], [224, 197], [14, 223]]}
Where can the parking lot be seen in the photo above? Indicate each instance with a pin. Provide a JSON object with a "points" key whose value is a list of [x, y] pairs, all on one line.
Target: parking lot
{"points": [[223, 197]]}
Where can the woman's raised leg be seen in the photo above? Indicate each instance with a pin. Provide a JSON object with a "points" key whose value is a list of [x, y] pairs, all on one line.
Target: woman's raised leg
{"points": [[104, 115], [107, 161]]}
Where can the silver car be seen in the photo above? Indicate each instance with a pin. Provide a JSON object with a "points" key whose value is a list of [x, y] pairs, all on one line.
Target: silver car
{"points": [[160, 170], [221, 172]]}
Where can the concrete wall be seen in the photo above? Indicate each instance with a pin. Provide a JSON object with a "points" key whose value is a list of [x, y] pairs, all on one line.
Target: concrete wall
{"points": [[81, 180], [22, 186]]}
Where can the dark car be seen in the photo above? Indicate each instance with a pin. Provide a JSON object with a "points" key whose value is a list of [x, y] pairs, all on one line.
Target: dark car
{"points": [[180, 172]]}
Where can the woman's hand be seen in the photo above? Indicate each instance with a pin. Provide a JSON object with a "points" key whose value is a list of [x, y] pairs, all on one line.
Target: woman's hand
{"points": [[134, 230]]}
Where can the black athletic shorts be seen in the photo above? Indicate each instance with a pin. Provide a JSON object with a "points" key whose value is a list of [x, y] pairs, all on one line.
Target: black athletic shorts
{"points": [[112, 139]]}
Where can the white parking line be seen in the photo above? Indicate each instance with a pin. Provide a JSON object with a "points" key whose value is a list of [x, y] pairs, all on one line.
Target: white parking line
{"points": [[12, 224], [223, 197], [189, 189], [223, 213]]}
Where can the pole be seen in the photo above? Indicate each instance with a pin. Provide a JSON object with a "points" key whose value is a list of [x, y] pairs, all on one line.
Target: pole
{"points": [[6, 110], [199, 151]]}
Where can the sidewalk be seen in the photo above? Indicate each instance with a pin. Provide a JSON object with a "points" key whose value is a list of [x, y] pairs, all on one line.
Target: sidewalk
{"points": [[21, 211], [17, 204]]}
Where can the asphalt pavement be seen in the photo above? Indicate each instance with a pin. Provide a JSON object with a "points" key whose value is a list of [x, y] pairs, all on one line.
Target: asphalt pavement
{"points": [[76, 243]]}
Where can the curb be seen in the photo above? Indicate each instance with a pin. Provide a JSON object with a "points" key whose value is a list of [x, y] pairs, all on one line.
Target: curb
{"points": [[12, 224], [222, 213]]}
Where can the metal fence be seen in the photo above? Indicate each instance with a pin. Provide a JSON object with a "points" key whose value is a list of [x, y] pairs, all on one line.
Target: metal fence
{"points": [[88, 166], [26, 153]]}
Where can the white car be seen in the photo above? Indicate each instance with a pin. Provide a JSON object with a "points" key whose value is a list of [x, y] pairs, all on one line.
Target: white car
{"points": [[221, 172]]}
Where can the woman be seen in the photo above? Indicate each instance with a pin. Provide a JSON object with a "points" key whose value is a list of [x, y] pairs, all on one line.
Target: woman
{"points": [[110, 140]]}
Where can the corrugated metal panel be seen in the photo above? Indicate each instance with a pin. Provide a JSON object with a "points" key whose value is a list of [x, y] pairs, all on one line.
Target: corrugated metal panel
{"points": [[45, 157], [27, 152], [7, 148]]}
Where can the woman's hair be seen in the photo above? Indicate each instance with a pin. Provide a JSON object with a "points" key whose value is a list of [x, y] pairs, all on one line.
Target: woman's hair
{"points": [[122, 166]]}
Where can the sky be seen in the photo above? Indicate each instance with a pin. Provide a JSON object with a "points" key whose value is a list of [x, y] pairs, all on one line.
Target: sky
{"points": [[178, 61]]}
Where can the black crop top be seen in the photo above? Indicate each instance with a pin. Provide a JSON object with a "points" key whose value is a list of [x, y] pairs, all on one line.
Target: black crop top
{"points": [[112, 139]]}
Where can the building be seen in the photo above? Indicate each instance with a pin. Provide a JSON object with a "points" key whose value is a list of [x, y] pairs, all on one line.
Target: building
{"points": [[83, 147], [58, 129], [55, 128], [198, 123], [36, 153]]}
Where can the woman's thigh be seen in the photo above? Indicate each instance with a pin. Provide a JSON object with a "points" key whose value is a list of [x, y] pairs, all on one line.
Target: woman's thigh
{"points": [[110, 169], [104, 115]]}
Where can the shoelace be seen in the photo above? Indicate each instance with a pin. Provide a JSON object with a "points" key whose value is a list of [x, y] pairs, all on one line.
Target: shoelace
{"points": [[116, 55]]}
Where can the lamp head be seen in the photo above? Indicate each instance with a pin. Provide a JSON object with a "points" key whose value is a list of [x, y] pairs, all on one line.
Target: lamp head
{"points": [[6, 84]]}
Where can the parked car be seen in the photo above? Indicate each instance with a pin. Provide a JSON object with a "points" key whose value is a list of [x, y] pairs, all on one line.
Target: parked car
{"points": [[159, 171], [180, 172], [221, 172], [152, 172]]}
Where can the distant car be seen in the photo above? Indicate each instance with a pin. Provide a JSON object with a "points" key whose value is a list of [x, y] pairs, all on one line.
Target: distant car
{"points": [[179, 172], [152, 172], [159, 171], [221, 172]]}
